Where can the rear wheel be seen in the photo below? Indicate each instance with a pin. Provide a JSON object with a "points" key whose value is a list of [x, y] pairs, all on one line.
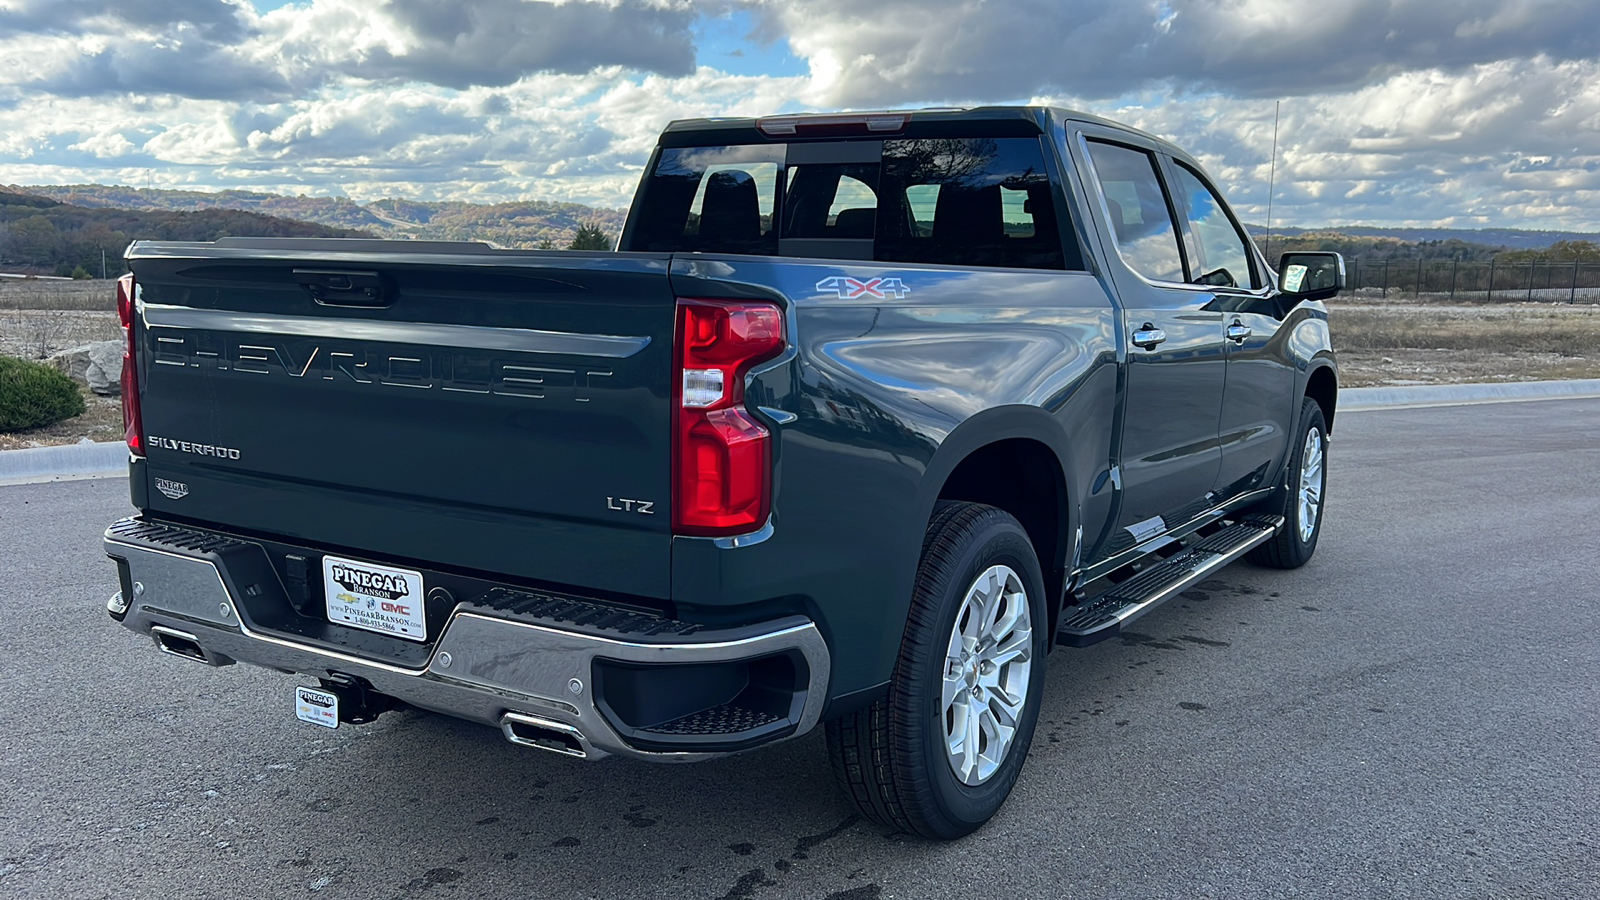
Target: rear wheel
{"points": [[939, 755], [1300, 500]]}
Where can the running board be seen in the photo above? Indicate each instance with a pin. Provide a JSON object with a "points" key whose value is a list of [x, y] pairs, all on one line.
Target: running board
{"points": [[1100, 618]]}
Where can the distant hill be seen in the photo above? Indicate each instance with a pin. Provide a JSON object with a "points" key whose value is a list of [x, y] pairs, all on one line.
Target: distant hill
{"points": [[526, 224], [1497, 238], [42, 235]]}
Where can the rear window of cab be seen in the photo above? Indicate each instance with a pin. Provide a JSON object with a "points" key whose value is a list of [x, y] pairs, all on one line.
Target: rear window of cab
{"points": [[959, 201]]}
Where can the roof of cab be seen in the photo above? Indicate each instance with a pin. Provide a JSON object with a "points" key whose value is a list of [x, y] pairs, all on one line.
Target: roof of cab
{"points": [[1031, 119]]}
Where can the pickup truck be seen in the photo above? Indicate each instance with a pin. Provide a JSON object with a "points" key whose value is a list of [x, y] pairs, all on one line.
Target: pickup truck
{"points": [[868, 413]]}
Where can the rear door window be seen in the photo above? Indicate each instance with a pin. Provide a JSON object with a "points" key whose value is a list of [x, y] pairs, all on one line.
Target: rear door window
{"points": [[1141, 220]]}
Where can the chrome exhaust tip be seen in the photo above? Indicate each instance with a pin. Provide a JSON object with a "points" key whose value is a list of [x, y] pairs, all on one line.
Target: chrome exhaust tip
{"points": [[185, 645], [530, 731]]}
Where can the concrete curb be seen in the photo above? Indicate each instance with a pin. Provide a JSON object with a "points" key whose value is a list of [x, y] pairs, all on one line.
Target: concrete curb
{"points": [[110, 459], [71, 462], [1425, 395]]}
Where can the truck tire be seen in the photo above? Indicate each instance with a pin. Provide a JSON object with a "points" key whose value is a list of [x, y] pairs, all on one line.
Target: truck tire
{"points": [[1300, 501], [938, 755]]}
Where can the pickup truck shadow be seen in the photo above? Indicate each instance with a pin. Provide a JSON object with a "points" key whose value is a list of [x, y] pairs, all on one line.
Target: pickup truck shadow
{"points": [[472, 806], [469, 807]]}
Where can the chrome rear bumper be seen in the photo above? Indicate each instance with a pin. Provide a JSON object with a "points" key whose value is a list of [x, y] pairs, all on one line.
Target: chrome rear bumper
{"points": [[487, 666]]}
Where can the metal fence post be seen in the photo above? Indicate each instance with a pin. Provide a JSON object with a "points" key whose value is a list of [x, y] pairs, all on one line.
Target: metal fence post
{"points": [[1531, 264], [1572, 296], [1419, 278], [1455, 266], [1386, 279], [1492, 261]]}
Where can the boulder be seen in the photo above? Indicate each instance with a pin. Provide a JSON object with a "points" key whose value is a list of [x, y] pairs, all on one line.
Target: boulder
{"points": [[72, 363], [99, 365], [104, 374]]}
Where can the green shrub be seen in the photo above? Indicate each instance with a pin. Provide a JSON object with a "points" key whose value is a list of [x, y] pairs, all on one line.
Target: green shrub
{"points": [[33, 394]]}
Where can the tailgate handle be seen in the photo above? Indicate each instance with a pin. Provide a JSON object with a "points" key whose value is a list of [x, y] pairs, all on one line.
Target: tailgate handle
{"points": [[341, 287]]}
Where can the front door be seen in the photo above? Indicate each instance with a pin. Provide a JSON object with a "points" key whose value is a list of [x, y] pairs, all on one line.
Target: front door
{"points": [[1258, 403]]}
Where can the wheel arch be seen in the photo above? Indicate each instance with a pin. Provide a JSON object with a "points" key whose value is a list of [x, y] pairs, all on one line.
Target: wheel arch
{"points": [[1015, 459], [1322, 385]]}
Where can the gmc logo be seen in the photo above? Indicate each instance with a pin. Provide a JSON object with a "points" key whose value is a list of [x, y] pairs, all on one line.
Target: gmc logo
{"points": [[401, 609], [463, 371]]}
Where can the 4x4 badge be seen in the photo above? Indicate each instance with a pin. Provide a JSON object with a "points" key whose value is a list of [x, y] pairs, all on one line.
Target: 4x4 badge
{"points": [[175, 490], [847, 288]]}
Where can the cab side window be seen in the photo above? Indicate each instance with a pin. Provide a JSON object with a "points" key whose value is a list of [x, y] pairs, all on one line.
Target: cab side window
{"points": [[971, 202], [1141, 220], [1223, 259]]}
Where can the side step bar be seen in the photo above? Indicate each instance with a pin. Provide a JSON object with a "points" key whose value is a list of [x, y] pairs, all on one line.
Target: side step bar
{"points": [[1102, 617]]}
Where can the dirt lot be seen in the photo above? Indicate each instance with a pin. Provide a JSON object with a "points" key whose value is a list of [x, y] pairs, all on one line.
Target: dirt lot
{"points": [[1422, 343], [38, 318], [1380, 342]]}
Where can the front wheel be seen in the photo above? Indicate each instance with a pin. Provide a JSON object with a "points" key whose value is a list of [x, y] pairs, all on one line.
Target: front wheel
{"points": [[1300, 500], [939, 755]]}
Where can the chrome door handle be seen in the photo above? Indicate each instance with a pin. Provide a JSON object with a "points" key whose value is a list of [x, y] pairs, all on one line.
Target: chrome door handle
{"points": [[1148, 336], [1238, 331]]}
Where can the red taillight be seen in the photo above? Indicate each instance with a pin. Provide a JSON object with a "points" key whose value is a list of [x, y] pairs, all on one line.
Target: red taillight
{"points": [[132, 426], [721, 456]]}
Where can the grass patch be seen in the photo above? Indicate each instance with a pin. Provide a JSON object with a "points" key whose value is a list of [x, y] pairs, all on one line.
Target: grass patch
{"points": [[1564, 331], [80, 295]]}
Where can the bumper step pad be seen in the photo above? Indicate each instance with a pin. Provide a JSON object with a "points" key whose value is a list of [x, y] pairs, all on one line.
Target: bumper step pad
{"points": [[728, 718], [1104, 615], [584, 616]]}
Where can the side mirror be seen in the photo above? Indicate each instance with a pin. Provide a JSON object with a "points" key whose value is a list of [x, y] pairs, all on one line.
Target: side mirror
{"points": [[1311, 276]]}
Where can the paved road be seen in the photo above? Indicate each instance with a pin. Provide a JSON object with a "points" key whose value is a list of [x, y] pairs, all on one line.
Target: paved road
{"points": [[1414, 714]]}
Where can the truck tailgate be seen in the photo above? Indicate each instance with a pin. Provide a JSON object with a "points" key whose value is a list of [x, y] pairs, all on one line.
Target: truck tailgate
{"points": [[476, 409]]}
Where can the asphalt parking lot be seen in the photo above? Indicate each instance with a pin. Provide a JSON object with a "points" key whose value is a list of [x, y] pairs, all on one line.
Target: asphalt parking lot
{"points": [[1416, 713]]}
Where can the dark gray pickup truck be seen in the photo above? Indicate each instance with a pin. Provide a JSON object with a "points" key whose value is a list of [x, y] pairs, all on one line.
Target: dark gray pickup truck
{"points": [[868, 413]]}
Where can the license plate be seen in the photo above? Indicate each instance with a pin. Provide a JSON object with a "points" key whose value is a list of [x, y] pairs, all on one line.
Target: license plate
{"points": [[375, 598], [316, 707]]}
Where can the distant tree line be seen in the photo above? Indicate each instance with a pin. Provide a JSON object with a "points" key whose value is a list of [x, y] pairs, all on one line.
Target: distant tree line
{"points": [[1559, 252], [42, 236], [1380, 248]]}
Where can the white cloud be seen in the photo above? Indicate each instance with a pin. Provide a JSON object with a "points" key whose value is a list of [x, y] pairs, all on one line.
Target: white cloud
{"points": [[106, 145], [1394, 110]]}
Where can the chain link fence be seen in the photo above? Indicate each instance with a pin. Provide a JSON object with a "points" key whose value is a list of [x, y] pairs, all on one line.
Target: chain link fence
{"points": [[1480, 282]]}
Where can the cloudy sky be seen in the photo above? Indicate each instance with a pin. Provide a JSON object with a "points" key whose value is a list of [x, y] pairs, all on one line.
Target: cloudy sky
{"points": [[1466, 114]]}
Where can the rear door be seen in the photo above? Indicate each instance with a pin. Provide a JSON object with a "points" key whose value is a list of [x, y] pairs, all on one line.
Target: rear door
{"points": [[1176, 364], [499, 412]]}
